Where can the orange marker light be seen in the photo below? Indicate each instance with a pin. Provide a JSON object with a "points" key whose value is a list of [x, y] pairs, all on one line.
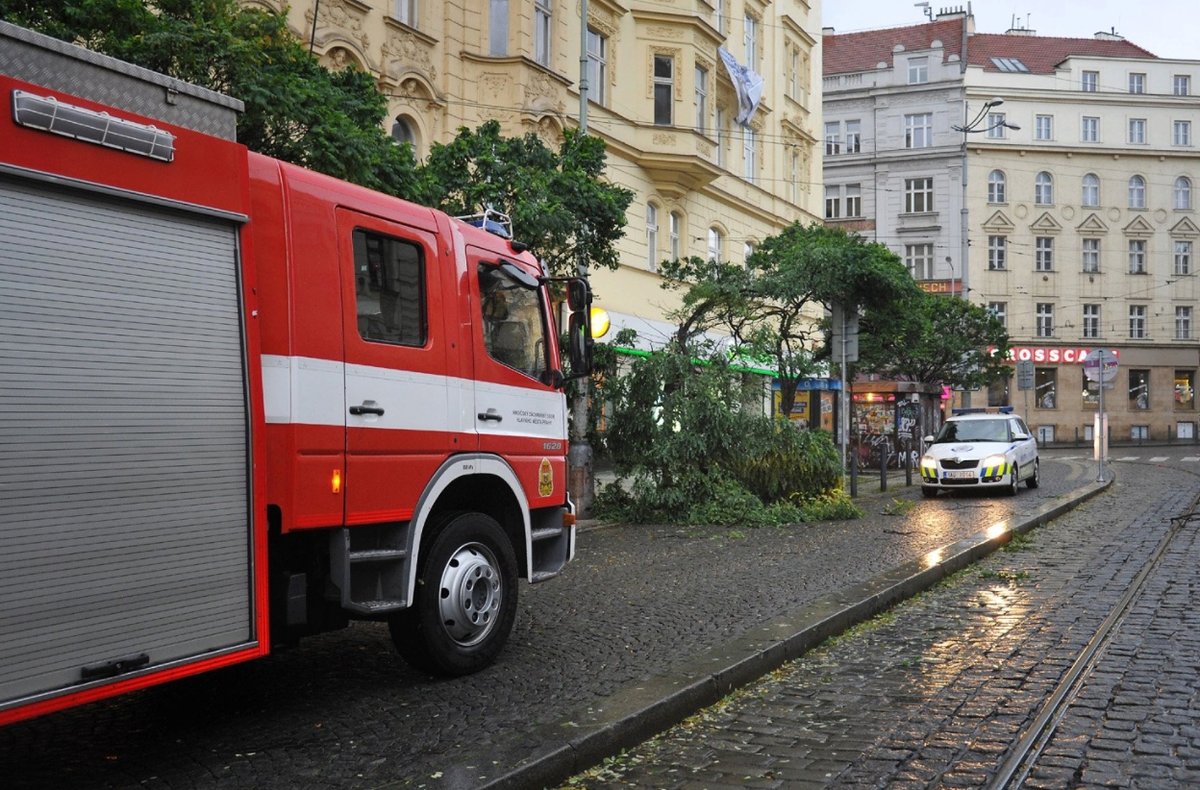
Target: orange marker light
{"points": [[336, 482]]}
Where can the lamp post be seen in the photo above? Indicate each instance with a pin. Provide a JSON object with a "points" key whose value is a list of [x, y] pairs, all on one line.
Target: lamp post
{"points": [[980, 123]]}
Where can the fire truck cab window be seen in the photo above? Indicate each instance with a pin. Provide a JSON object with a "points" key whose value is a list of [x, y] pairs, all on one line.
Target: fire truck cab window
{"points": [[513, 330], [389, 283]]}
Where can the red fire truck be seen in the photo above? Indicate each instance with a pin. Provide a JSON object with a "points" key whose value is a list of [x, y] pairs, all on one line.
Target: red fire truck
{"points": [[242, 402]]}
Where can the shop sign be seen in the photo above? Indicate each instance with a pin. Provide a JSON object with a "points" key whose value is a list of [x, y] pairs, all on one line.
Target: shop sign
{"points": [[1053, 355]]}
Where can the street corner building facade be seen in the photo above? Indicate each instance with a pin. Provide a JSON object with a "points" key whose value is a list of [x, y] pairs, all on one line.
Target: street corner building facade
{"points": [[709, 108], [1048, 179]]}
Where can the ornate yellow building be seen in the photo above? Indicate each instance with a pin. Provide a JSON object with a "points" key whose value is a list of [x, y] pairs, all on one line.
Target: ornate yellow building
{"points": [[659, 95]]}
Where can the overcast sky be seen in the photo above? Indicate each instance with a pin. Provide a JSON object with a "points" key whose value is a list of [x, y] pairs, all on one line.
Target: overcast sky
{"points": [[1168, 28]]}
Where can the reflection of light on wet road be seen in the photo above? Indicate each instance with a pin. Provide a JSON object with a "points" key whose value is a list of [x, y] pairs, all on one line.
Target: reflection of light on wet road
{"points": [[933, 558], [997, 529]]}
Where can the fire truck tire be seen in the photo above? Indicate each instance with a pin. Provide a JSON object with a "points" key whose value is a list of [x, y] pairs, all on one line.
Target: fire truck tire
{"points": [[466, 599]]}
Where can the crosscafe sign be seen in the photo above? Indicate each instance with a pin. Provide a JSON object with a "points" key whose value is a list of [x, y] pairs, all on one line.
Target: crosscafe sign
{"points": [[1052, 355]]}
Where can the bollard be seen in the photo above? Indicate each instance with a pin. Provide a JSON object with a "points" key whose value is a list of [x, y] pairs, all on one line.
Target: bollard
{"points": [[883, 459], [854, 477], [907, 465]]}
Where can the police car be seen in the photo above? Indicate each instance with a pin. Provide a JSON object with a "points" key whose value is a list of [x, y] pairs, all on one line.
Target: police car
{"points": [[980, 449]]}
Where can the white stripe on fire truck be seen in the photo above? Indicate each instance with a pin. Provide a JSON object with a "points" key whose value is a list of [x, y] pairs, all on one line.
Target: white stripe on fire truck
{"points": [[310, 391]]}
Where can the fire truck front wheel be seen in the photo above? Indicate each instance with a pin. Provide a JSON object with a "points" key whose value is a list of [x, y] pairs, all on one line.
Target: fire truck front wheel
{"points": [[466, 598]]}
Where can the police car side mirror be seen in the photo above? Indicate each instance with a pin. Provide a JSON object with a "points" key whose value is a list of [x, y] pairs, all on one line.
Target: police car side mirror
{"points": [[1020, 437], [928, 439]]}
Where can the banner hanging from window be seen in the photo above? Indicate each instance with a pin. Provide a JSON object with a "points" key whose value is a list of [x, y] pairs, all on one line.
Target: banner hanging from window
{"points": [[746, 83]]}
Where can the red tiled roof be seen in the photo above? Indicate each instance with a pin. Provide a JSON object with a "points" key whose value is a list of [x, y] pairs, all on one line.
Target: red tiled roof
{"points": [[863, 51], [1042, 53]]}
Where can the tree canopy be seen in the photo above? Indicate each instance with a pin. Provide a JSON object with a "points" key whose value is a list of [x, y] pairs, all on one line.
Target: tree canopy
{"points": [[559, 202]]}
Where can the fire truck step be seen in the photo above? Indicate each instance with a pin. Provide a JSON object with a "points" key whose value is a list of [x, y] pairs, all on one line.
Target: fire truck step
{"points": [[546, 533], [378, 555]]}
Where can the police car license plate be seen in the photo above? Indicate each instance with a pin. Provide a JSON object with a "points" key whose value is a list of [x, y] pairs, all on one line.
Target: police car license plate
{"points": [[963, 474]]}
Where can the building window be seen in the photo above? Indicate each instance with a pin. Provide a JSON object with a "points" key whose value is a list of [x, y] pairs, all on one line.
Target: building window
{"points": [[716, 244], [794, 174], [722, 119], [997, 253], [498, 28], [701, 99], [1137, 256], [854, 200], [1185, 389], [749, 154], [1137, 131], [853, 136], [918, 70], [541, 31], [1137, 83], [919, 260], [1091, 320], [676, 229], [1182, 85], [1089, 130], [402, 132], [1139, 433], [833, 138], [1045, 387], [664, 89], [1181, 133], [1139, 389], [833, 202], [1091, 255], [1043, 254], [1137, 322], [1044, 319], [1043, 127], [918, 195], [651, 236], [1043, 189], [918, 130], [1000, 310], [406, 12], [995, 125], [1137, 192], [597, 66], [1183, 323], [1183, 193], [792, 77], [1089, 81], [1091, 190], [719, 16], [751, 41], [997, 187], [1183, 257]]}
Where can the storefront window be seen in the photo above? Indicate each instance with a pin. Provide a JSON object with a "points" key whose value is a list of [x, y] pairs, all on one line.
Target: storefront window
{"points": [[1091, 395], [1045, 382], [1139, 389], [998, 393], [1185, 389]]}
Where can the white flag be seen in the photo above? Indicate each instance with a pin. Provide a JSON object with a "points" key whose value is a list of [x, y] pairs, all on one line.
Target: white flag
{"points": [[746, 83]]}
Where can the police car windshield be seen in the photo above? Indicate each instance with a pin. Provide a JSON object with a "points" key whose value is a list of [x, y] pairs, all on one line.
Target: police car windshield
{"points": [[973, 431]]}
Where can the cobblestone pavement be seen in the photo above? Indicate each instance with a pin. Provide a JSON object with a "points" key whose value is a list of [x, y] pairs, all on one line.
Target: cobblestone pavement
{"points": [[933, 693], [342, 710]]}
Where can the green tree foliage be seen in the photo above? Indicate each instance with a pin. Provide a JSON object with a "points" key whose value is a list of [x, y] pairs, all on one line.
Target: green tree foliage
{"points": [[933, 338], [772, 307], [559, 202], [689, 447], [295, 110]]}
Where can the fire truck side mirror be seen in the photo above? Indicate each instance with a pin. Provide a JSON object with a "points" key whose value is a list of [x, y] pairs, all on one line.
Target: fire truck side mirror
{"points": [[579, 295], [579, 345]]}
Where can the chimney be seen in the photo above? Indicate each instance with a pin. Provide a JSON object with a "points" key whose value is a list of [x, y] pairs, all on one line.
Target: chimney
{"points": [[1017, 29], [827, 31], [1111, 36], [951, 13]]}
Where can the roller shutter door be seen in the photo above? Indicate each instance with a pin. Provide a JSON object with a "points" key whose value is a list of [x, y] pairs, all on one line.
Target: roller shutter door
{"points": [[124, 523]]}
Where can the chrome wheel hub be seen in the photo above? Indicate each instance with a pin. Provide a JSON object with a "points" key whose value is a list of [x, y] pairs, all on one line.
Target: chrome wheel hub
{"points": [[470, 594]]}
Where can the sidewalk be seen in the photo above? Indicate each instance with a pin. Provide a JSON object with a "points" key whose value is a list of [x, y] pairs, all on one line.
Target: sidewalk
{"points": [[549, 754]]}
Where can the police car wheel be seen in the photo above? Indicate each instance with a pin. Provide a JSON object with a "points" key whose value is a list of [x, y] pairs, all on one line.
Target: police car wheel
{"points": [[1035, 479], [929, 491], [1014, 481]]}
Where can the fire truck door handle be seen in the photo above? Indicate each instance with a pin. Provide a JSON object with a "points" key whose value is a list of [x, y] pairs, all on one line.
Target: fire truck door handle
{"points": [[368, 407], [490, 414]]}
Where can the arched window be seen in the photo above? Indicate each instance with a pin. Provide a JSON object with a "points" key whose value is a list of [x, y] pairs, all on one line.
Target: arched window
{"points": [[651, 236], [1043, 189], [1183, 192], [716, 242], [997, 187], [402, 132], [1091, 190], [1137, 192]]}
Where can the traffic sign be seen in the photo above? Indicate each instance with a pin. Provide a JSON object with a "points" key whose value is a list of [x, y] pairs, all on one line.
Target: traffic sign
{"points": [[1100, 365], [1025, 374]]}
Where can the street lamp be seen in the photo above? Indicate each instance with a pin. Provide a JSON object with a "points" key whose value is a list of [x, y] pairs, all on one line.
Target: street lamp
{"points": [[980, 123]]}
